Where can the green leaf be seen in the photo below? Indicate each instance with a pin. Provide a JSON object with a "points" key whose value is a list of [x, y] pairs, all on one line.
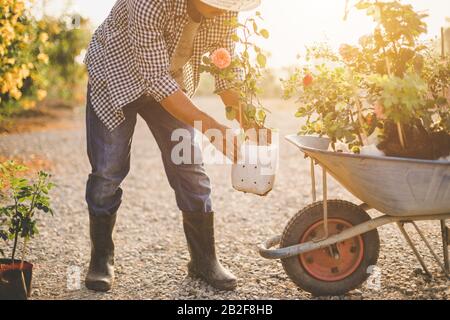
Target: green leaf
{"points": [[262, 60], [231, 113], [264, 33], [206, 60], [235, 38], [261, 116], [255, 28]]}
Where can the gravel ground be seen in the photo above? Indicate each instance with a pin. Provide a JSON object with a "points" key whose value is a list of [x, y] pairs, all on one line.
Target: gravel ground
{"points": [[151, 251]]}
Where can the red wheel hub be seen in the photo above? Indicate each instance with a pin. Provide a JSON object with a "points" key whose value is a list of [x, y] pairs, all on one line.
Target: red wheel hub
{"points": [[336, 262]]}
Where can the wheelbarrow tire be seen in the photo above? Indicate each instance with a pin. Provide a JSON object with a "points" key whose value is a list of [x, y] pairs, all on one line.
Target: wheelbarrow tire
{"points": [[355, 266]]}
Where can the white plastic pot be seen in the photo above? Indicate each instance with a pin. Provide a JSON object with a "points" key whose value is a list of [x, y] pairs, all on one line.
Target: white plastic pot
{"points": [[256, 169]]}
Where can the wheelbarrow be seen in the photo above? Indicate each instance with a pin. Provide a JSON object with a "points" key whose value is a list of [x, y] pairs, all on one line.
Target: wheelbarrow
{"points": [[330, 247]]}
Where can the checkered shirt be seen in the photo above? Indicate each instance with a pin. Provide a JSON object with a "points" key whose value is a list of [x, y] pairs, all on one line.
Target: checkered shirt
{"points": [[130, 53]]}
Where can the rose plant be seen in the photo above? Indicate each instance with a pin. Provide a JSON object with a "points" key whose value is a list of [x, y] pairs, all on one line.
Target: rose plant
{"points": [[257, 164], [327, 94], [397, 88], [243, 71]]}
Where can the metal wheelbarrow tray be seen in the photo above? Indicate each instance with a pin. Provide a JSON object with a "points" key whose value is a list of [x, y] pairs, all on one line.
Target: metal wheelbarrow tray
{"points": [[404, 190]]}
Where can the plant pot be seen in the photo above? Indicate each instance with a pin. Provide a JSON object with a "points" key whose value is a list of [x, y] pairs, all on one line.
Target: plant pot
{"points": [[319, 143], [256, 170], [15, 280]]}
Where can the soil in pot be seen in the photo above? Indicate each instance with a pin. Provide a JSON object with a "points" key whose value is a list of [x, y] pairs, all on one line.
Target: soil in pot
{"points": [[420, 144], [15, 280]]}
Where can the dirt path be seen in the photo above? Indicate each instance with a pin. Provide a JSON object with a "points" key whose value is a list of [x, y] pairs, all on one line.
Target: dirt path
{"points": [[151, 250]]}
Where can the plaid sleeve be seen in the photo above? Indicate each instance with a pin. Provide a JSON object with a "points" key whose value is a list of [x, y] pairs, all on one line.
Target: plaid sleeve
{"points": [[146, 25], [227, 43]]}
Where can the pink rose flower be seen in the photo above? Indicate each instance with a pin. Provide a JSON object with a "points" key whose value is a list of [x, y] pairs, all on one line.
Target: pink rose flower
{"points": [[379, 111], [221, 58]]}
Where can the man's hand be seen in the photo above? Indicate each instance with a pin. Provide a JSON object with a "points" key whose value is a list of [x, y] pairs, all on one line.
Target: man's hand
{"points": [[183, 109], [228, 145]]}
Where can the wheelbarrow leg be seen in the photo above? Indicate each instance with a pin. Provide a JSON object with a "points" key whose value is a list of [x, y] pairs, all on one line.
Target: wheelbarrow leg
{"points": [[424, 239], [445, 244], [324, 200], [313, 182], [414, 249]]}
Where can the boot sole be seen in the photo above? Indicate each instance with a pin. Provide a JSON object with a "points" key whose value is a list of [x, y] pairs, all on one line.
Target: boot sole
{"points": [[99, 286], [223, 286]]}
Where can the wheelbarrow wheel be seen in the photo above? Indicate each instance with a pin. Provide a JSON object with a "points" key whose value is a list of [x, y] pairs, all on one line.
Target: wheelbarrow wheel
{"points": [[337, 269]]}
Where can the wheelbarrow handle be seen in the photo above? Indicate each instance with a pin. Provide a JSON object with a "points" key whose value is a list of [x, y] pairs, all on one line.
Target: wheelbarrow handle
{"points": [[266, 251]]}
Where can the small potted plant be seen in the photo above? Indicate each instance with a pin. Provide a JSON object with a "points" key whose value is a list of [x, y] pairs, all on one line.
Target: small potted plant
{"points": [[21, 200], [258, 157]]}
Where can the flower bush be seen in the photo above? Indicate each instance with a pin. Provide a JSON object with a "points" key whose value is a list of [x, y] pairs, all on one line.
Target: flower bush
{"points": [[390, 85], [68, 36], [326, 93], [37, 57], [244, 71], [22, 56]]}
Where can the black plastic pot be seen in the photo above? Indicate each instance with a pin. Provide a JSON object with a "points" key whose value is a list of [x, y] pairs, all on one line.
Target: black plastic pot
{"points": [[15, 283]]}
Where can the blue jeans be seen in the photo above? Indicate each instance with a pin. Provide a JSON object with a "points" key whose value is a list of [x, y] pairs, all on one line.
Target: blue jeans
{"points": [[109, 155]]}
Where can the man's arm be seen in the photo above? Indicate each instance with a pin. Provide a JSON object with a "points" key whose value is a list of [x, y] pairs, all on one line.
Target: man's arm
{"points": [[183, 109], [146, 23], [145, 32]]}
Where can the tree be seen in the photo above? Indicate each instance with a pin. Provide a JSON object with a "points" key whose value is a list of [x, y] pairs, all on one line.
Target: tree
{"points": [[447, 37]]}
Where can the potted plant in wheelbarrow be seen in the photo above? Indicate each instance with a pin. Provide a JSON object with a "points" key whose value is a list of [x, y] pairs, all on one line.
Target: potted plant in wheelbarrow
{"points": [[21, 200], [258, 157], [406, 82], [388, 96]]}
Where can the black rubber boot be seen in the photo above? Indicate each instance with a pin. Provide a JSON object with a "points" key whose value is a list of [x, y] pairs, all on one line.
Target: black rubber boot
{"points": [[199, 230], [100, 276]]}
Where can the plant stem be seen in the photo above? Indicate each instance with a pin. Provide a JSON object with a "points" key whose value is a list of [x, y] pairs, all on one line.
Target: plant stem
{"points": [[240, 115], [386, 60], [347, 10], [399, 125], [361, 123], [24, 250], [401, 134], [16, 236], [357, 130], [443, 53]]}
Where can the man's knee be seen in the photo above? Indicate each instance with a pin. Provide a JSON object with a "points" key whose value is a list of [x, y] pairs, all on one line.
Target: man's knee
{"points": [[103, 194], [193, 179], [192, 187]]}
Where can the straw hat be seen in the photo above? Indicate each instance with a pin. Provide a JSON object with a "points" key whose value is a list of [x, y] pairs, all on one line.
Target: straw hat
{"points": [[233, 5]]}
